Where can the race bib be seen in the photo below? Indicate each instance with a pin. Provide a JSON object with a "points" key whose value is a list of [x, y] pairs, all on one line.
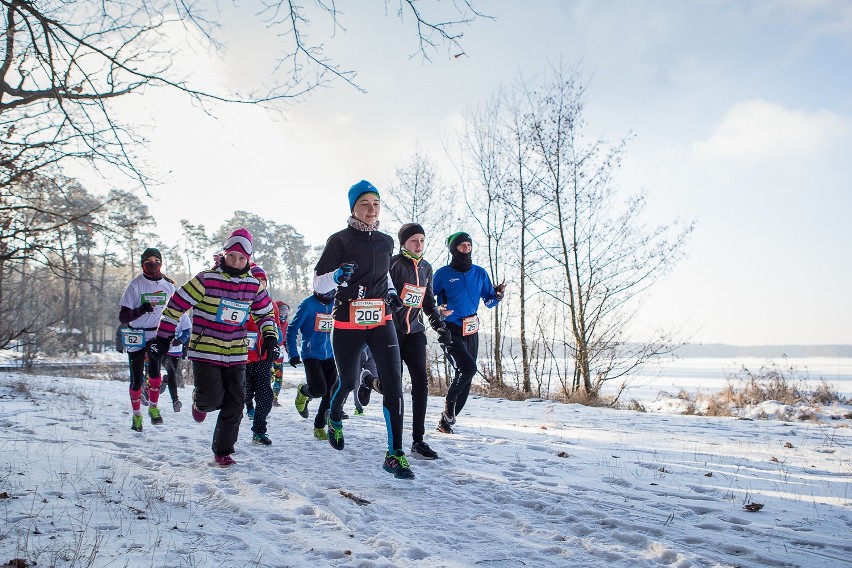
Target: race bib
{"points": [[412, 296], [251, 340], [324, 323], [470, 325], [367, 312], [155, 298], [133, 337], [232, 312]]}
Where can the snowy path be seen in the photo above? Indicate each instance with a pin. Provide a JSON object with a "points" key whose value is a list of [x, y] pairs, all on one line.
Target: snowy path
{"points": [[521, 484]]}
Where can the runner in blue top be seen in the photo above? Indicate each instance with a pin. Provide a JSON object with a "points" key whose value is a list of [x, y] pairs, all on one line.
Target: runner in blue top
{"points": [[459, 287], [313, 320]]}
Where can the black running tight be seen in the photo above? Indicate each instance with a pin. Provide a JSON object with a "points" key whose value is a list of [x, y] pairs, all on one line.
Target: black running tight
{"points": [[347, 345]]}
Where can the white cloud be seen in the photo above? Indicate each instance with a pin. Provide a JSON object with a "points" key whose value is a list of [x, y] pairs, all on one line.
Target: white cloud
{"points": [[759, 130]]}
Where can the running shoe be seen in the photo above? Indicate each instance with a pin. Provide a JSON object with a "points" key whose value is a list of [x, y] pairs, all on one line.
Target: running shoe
{"points": [[423, 451], [224, 461], [154, 413], [335, 432], [261, 438], [302, 401], [397, 464]]}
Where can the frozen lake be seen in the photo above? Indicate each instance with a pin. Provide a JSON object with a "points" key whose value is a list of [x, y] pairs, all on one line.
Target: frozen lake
{"points": [[711, 374]]}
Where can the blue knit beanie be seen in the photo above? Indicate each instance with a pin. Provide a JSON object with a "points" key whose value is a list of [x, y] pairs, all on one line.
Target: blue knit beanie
{"points": [[358, 190]]}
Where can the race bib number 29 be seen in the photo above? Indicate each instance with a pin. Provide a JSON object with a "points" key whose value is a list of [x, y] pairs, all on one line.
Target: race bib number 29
{"points": [[367, 312], [470, 325]]}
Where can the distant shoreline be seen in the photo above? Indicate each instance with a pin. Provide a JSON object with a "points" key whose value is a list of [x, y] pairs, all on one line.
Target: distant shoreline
{"points": [[771, 351]]}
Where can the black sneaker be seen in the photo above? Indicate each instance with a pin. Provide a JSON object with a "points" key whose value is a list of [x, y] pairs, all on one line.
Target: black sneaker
{"points": [[443, 427], [423, 451], [449, 413], [397, 464], [363, 394]]}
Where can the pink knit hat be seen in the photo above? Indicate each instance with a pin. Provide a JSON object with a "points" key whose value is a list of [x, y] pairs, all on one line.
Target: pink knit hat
{"points": [[258, 273], [239, 241]]}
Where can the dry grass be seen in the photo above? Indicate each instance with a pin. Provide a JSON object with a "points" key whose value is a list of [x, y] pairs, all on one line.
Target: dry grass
{"points": [[746, 388]]}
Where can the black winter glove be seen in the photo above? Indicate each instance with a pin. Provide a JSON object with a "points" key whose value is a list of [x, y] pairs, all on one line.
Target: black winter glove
{"points": [[345, 272], [159, 347], [269, 348], [295, 361], [394, 301], [445, 338], [500, 290], [146, 308]]}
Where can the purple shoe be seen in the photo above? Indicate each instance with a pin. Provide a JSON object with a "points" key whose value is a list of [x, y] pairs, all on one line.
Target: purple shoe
{"points": [[224, 461], [197, 415]]}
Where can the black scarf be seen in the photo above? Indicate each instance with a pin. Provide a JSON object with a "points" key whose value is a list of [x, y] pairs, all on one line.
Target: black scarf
{"points": [[461, 261], [232, 271], [324, 299]]}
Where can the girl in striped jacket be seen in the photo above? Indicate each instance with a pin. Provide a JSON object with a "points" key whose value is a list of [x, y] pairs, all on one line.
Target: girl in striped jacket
{"points": [[222, 299]]}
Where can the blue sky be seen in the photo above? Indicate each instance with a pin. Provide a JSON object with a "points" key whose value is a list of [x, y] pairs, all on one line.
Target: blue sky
{"points": [[742, 115]]}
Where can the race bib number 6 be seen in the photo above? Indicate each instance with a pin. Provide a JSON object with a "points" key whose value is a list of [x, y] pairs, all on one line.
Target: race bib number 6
{"points": [[470, 325], [324, 323], [232, 312], [412, 296], [367, 312]]}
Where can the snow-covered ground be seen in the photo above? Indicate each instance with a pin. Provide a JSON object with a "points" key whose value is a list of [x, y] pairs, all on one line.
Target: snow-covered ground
{"points": [[531, 483]]}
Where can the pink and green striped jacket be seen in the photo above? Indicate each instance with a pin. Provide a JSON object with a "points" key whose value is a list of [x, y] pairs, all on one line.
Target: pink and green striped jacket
{"points": [[220, 303]]}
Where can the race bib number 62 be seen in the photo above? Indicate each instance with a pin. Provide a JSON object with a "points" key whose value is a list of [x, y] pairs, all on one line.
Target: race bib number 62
{"points": [[133, 337]]}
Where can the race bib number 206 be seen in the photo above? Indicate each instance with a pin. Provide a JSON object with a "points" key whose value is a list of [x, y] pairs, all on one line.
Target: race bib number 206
{"points": [[367, 312]]}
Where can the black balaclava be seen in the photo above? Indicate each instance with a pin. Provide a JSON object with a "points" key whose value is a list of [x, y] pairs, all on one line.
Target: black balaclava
{"points": [[460, 261], [152, 270], [326, 298]]}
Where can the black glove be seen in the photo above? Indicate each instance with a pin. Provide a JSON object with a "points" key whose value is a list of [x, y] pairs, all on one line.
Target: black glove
{"points": [[269, 348], [295, 361], [444, 336], [158, 347], [345, 272], [146, 308], [500, 290], [176, 341], [394, 302]]}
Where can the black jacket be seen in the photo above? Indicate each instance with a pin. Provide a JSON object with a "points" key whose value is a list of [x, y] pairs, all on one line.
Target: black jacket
{"points": [[371, 251], [404, 270]]}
